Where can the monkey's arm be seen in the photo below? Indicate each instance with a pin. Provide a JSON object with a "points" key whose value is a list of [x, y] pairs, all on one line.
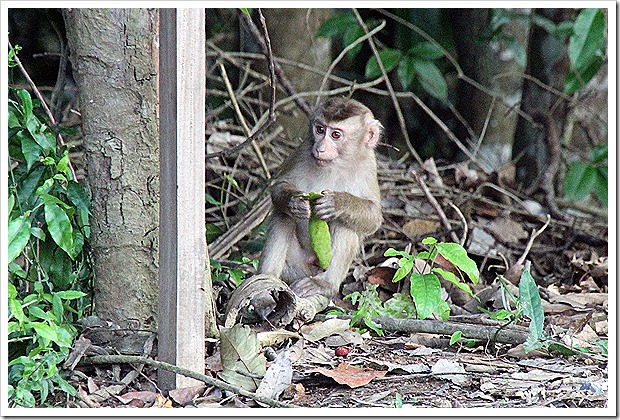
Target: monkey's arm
{"points": [[284, 200], [358, 214]]}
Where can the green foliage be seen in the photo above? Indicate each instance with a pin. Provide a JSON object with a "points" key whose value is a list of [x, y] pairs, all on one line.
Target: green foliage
{"points": [[585, 177], [235, 274], [49, 268], [425, 287], [586, 48], [415, 67], [424, 295]]}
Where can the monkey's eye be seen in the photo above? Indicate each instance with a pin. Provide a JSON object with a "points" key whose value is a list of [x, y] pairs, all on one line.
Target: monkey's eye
{"points": [[336, 135], [319, 129]]}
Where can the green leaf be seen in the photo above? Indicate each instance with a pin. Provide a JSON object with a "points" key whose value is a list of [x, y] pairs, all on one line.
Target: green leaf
{"points": [[426, 50], [431, 79], [391, 252], [26, 102], [600, 153], [406, 71], [406, 265], [30, 148], [44, 330], [588, 37], [36, 312], [601, 185], [352, 33], [389, 57], [57, 308], [335, 25], [457, 255], [70, 294], [246, 11], [426, 292], [452, 279], [429, 241], [456, 336], [580, 180], [59, 226], [63, 165], [531, 304], [18, 235], [578, 78], [15, 309], [212, 200]]}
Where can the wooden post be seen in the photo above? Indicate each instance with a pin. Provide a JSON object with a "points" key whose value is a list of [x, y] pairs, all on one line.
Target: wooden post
{"points": [[182, 243]]}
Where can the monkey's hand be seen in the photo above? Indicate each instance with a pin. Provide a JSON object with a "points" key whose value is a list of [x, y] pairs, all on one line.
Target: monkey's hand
{"points": [[326, 207], [299, 208], [311, 286]]}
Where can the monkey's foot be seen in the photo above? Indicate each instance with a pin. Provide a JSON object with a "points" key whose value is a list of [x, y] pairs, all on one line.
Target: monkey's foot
{"points": [[307, 308]]}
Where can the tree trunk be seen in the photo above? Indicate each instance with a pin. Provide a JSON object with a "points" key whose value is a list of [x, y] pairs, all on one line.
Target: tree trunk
{"points": [[547, 63], [291, 32], [114, 56], [494, 66]]}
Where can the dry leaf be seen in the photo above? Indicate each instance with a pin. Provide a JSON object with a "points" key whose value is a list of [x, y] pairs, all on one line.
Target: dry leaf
{"points": [[184, 396], [318, 330], [353, 376], [278, 377]]}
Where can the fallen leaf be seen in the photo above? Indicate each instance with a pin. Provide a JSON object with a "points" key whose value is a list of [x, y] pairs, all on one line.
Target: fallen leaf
{"points": [[420, 227], [318, 330], [352, 376], [272, 338], [241, 352], [184, 396], [278, 376], [443, 366]]}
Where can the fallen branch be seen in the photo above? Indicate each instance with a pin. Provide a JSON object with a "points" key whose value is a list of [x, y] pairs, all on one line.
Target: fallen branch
{"points": [[108, 359], [501, 334]]}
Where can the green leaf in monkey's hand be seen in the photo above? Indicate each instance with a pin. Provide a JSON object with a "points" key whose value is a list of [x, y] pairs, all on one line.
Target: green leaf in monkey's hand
{"points": [[320, 238]]}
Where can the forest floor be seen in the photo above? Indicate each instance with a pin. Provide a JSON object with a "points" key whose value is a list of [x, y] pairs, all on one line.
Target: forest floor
{"points": [[411, 367]]}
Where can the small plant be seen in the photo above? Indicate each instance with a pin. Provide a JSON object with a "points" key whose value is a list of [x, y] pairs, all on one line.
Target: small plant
{"points": [[424, 295], [585, 177], [48, 263], [235, 274]]}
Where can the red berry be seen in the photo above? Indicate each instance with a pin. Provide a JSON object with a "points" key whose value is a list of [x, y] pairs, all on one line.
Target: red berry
{"points": [[343, 351]]}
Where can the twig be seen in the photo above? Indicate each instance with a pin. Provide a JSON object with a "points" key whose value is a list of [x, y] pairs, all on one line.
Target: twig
{"points": [[223, 243], [271, 116], [286, 85], [270, 63], [107, 359], [465, 227], [342, 54], [47, 110], [399, 113], [242, 121], [436, 206], [535, 234]]}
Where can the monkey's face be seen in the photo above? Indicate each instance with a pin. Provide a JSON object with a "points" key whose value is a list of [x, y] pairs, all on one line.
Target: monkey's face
{"points": [[346, 140]]}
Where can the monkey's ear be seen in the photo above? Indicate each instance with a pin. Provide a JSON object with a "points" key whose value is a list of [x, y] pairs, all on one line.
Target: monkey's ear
{"points": [[374, 131]]}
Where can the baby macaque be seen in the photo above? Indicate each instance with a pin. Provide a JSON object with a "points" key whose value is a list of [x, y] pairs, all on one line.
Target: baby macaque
{"points": [[338, 160]]}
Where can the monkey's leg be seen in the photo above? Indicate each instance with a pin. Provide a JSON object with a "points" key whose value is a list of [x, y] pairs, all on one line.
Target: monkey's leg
{"points": [[345, 245]]}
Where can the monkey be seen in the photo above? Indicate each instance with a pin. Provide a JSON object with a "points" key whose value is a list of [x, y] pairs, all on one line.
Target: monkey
{"points": [[338, 160]]}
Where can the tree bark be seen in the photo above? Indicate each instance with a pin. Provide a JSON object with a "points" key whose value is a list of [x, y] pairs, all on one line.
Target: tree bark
{"points": [[114, 56], [548, 63], [292, 36]]}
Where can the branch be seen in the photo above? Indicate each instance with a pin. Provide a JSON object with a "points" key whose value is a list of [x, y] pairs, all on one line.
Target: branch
{"points": [[399, 113], [107, 359], [262, 44]]}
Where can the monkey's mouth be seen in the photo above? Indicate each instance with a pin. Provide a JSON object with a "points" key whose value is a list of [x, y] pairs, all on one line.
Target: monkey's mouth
{"points": [[323, 162]]}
